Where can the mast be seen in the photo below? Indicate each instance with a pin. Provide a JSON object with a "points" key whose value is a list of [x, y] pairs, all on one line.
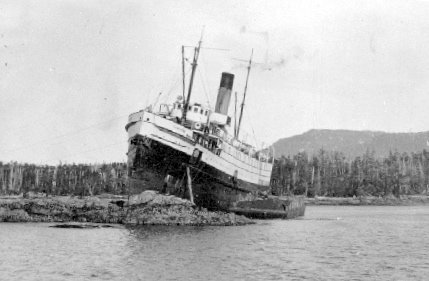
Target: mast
{"points": [[183, 73], [191, 81], [244, 96], [235, 116]]}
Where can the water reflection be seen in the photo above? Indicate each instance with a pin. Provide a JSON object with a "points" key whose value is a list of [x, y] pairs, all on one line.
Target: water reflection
{"points": [[144, 232]]}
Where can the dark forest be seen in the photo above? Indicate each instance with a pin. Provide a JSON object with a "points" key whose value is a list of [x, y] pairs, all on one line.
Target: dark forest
{"points": [[328, 173]]}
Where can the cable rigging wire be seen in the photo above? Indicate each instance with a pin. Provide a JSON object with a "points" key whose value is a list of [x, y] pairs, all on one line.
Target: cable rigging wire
{"points": [[175, 80], [179, 80], [253, 131], [64, 135], [173, 86], [86, 151], [204, 89], [203, 73]]}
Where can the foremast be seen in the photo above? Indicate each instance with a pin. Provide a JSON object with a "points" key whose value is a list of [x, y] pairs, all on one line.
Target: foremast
{"points": [[191, 81]]}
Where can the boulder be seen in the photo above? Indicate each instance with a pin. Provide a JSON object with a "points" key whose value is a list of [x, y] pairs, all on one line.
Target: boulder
{"points": [[151, 197], [15, 215], [166, 200], [143, 198]]}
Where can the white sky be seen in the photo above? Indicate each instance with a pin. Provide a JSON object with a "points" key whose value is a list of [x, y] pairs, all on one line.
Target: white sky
{"points": [[71, 71]]}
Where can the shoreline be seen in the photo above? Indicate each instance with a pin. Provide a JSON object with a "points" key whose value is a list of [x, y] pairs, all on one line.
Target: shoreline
{"points": [[147, 208], [403, 200]]}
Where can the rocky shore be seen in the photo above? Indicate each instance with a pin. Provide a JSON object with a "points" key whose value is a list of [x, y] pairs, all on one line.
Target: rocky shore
{"points": [[403, 200], [147, 208]]}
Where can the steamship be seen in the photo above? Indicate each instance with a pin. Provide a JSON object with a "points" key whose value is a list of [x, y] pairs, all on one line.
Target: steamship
{"points": [[193, 151]]}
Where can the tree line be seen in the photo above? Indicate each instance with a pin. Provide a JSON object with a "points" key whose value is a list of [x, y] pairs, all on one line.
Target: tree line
{"points": [[327, 173], [76, 179], [331, 173]]}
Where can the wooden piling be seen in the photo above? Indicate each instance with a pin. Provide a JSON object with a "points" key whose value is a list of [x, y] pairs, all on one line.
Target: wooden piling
{"points": [[188, 174]]}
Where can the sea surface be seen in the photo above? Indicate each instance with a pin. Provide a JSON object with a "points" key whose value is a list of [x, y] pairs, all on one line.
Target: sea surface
{"points": [[329, 243]]}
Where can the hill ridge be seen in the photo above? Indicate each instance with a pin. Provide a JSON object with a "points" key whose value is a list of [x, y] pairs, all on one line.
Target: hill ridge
{"points": [[352, 143]]}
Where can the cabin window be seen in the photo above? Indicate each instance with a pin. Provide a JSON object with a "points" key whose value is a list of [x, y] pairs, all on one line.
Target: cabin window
{"points": [[201, 111], [196, 109], [179, 106], [206, 113], [189, 108]]}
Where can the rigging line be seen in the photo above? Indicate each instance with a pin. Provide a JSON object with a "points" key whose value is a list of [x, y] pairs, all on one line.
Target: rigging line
{"points": [[173, 83], [55, 137], [253, 131], [174, 86], [49, 146], [42, 116], [65, 135], [204, 72], [27, 125], [86, 151], [204, 89], [18, 133], [158, 94], [179, 79]]}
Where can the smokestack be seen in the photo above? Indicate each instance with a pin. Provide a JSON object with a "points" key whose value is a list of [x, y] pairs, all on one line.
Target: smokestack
{"points": [[224, 94]]}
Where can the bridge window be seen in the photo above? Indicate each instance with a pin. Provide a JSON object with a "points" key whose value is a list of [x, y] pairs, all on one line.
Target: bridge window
{"points": [[196, 109], [201, 111], [206, 113], [179, 106]]}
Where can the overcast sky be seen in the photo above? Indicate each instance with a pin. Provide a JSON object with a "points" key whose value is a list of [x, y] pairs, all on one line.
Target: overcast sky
{"points": [[71, 71]]}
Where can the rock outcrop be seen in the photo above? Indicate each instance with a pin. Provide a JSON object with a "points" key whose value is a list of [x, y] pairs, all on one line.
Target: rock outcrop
{"points": [[148, 207]]}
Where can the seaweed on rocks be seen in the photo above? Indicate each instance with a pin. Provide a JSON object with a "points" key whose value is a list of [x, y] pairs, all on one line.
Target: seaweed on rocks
{"points": [[147, 208]]}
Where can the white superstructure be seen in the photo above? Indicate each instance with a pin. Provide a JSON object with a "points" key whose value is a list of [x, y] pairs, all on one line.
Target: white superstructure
{"points": [[219, 150]]}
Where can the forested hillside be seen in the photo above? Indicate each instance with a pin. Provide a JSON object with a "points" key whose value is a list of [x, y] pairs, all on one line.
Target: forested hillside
{"points": [[332, 174], [352, 143]]}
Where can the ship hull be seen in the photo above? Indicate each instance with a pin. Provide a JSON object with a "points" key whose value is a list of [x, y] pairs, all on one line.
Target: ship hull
{"points": [[160, 167], [161, 156], [157, 166]]}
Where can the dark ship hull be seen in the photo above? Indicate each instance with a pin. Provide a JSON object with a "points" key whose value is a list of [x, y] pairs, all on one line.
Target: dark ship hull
{"points": [[156, 166]]}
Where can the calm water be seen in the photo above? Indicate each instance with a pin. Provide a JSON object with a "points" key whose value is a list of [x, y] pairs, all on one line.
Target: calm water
{"points": [[330, 243]]}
